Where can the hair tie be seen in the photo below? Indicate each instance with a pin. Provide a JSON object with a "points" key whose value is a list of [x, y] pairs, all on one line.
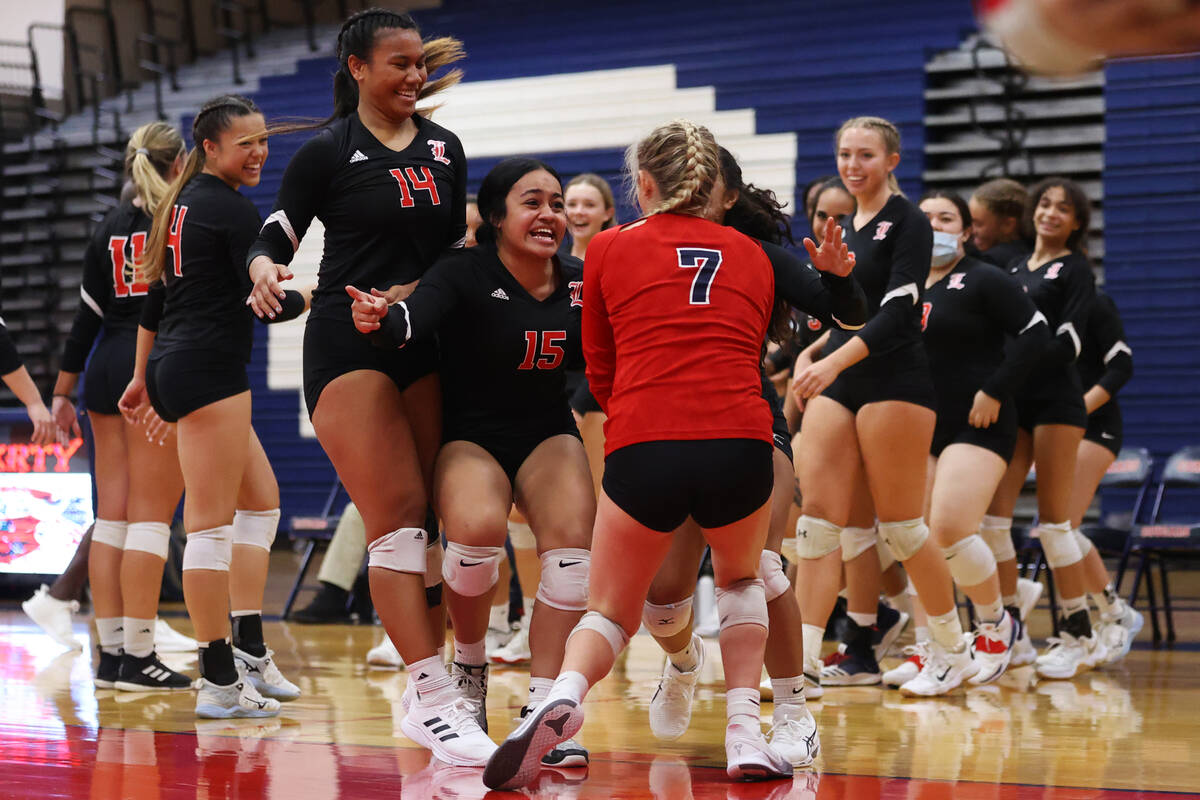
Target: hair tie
{"points": [[142, 151]]}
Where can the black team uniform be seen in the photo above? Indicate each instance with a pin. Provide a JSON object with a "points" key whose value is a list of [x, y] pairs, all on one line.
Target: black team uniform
{"points": [[1002, 254], [1106, 361]]}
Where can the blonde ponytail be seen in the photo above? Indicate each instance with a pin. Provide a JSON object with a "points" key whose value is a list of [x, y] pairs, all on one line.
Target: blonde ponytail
{"points": [[684, 161], [151, 151]]}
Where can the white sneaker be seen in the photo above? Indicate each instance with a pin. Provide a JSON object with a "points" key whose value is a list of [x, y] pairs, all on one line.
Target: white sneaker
{"points": [[445, 723], [472, 685], [1028, 593], [567, 754], [794, 736], [671, 705], [908, 669], [993, 646], [1097, 651], [53, 616], [499, 631], [943, 671], [265, 676], [812, 677], [518, 759], [169, 640], [239, 699], [749, 758], [1119, 631], [1024, 653], [1066, 656], [516, 651], [385, 655]]}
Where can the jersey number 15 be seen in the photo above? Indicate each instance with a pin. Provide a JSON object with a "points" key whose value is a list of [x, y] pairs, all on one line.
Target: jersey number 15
{"points": [[706, 263], [543, 349]]}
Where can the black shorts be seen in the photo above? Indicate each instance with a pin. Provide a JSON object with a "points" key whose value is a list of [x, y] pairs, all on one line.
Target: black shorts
{"points": [[779, 427], [109, 371], [333, 347], [1105, 427], [512, 445], [901, 375], [952, 428], [182, 382], [1051, 398], [714, 481]]}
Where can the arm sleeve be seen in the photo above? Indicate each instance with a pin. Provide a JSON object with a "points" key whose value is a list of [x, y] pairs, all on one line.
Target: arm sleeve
{"points": [[10, 361], [152, 309], [831, 299], [305, 183], [1008, 305], [1079, 291], [421, 314], [1116, 355], [93, 299], [909, 268], [599, 347]]}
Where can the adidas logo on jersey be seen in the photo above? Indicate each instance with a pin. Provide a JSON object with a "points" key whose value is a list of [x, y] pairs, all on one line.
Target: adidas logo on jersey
{"points": [[499, 294], [358, 156]]}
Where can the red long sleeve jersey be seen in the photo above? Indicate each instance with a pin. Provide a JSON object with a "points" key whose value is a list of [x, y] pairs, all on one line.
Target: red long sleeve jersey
{"points": [[675, 309]]}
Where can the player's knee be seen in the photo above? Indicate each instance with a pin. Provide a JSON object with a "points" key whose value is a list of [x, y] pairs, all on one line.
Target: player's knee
{"points": [[401, 550], [887, 559], [742, 603], [469, 570], [816, 538], [149, 537], [256, 528], [770, 571], [667, 620], [613, 633], [110, 532], [970, 561], [997, 532], [905, 538], [434, 560], [1085, 544], [1059, 544], [564, 581], [211, 549], [856, 541]]}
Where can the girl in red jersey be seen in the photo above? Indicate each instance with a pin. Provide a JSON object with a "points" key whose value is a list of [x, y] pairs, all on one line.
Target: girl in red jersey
{"points": [[675, 312]]}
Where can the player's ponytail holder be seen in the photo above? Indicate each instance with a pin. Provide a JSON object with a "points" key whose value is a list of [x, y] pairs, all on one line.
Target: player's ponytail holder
{"points": [[141, 151]]}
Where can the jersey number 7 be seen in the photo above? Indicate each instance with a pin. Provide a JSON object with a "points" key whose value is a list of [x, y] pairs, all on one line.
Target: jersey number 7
{"points": [[706, 263]]}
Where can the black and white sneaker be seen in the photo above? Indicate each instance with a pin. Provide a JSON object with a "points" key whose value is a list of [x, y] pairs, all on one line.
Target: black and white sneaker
{"points": [[108, 669], [518, 759], [472, 684], [569, 754], [148, 674]]}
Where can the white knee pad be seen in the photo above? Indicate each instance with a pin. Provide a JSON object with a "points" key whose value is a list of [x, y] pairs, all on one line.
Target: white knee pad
{"points": [[816, 537], [667, 620], [770, 571], [256, 528], [434, 559], [997, 532], [110, 532], [210, 549], [886, 557], [856, 541], [904, 538], [149, 537], [970, 561], [787, 549], [471, 571], [564, 582], [742, 603], [616, 637], [401, 550], [1085, 544], [1059, 545]]}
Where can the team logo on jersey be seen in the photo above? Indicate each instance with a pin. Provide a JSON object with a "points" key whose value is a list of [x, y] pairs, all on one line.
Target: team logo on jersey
{"points": [[814, 324], [439, 150], [500, 294], [956, 281], [576, 288], [1053, 271], [357, 157], [881, 231]]}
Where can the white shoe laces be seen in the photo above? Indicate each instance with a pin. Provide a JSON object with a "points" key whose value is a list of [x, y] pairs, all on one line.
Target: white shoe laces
{"points": [[460, 713]]}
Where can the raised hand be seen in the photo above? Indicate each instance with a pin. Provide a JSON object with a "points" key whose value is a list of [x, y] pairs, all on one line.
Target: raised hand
{"points": [[265, 296], [833, 256]]}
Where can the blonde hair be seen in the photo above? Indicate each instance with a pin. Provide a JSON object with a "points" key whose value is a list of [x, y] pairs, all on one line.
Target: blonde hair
{"points": [[684, 161], [600, 185], [151, 151], [888, 133]]}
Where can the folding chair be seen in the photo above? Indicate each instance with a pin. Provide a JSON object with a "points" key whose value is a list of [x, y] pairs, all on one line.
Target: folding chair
{"points": [[310, 531], [1113, 535]]}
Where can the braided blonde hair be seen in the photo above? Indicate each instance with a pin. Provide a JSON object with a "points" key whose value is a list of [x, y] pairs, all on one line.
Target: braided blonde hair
{"points": [[151, 151], [683, 160]]}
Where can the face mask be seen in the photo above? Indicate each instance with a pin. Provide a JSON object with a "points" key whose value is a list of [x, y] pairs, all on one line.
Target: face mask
{"points": [[945, 248]]}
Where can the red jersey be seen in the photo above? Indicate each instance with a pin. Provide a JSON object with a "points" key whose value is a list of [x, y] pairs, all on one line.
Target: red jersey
{"points": [[675, 309]]}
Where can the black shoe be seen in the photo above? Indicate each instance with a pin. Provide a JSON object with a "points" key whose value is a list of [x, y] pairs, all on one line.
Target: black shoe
{"points": [[328, 607], [835, 626], [888, 628], [107, 670], [858, 667], [148, 674], [1078, 624]]}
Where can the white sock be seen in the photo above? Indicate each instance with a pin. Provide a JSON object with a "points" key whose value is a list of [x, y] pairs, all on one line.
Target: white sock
{"points": [[138, 636], [472, 654], [1011, 600], [901, 602], [788, 692], [946, 630], [112, 634], [429, 676], [568, 686], [991, 612], [814, 636], [686, 659], [539, 689], [922, 633], [742, 706]]}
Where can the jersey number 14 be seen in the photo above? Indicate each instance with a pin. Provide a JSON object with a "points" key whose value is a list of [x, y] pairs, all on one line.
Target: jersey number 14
{"points": [[425, 182]]}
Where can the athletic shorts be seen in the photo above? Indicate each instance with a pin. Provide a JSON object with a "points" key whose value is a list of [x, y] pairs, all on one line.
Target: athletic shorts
{"points": [[108, 372], [513, 445], [334, 347], [1105, 427], [780, 434], [1051, 398], [952, 428], [901, 375], [184, 381], [714, 481]]}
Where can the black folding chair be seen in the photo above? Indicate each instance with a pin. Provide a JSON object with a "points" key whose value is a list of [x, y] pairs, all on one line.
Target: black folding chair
{"points": [[1113, 535], [311, 531]]}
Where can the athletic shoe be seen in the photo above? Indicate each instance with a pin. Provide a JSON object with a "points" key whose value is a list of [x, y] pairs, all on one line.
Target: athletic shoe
{"points": [[328, 607], [1066, 657], [54, 617], [908, 669], [993, 648], [1097, 651], [472, 685], [516, 651], [812, 678], [671, 705], [108, 670], [749, 757], [1119, 630], [265, 676], [1023, 653], [567, 755], [794, 736], [888, 628], [444, 722], [238, 699], [169, 640], [148, 674], [385, 654], [518, 759], [836, 657], [499, 631], [943, 671], [859, 667], [1028, 593]]}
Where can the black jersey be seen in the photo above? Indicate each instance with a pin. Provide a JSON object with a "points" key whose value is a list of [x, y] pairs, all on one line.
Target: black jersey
{"points": [[833, 300], [388, 215], [110, 297], [892, 252], [1002, 254], [1063, 290], [10, 360], [967, 317], [1105, 359], [504, 353]]}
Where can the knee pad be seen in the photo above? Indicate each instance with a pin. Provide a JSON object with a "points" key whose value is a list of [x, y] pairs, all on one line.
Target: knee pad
{"points": [[110, 532], [816, 537], [997, 532], [564, 581], [904, 538], [770, 571], [401, 550], [256, 528], [742, 603], [210, 549], [434, 560], [471, 571], [616, 637], [856, 541], [1085, 544], [886, 557], [787, 549], [149, 537], [1059, 545], [970, 561], [667, 620]]}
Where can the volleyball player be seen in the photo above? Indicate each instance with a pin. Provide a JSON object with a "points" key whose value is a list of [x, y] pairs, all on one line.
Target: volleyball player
{"points": [[872, 415], [390, 187], [998, 213], [17, 379], [506, 313], [1052, 419]]}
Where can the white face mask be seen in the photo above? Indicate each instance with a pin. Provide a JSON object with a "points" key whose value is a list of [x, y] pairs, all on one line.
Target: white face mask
{"points": [[945, 248]]}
